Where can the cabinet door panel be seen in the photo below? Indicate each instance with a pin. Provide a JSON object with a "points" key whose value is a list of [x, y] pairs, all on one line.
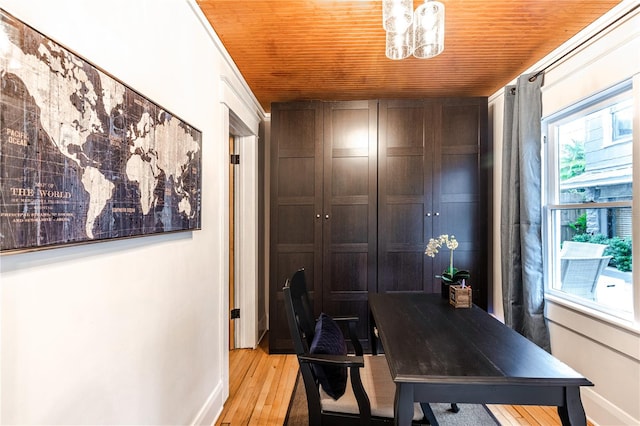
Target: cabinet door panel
{"points": [[350, 176], [404, 168], [350, 199], [403, 124], [296, 202], [349, 227], [461, 122], [404, 225], [304, 183], [296, 127], [461, 189], [348, 272], [404, 271], [405, 175], [295, 225], [459, 176]]}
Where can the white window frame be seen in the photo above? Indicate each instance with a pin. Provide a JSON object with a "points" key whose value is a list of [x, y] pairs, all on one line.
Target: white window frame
{"points": [[551, 203]]}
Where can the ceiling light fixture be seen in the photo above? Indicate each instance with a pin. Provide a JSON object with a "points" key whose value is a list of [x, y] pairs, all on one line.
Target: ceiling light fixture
{"points": [[419, 33]]}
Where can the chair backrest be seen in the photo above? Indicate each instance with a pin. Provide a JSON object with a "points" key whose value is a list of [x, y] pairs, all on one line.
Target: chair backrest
{"points": [[578, 249], [302, 327], [580, 267], [299, 312], [579, 276]]}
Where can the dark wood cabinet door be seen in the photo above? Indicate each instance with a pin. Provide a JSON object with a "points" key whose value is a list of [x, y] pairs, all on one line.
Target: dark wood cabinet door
{"points": [[405, 208], [350, 210], [296, 208], [461, 188]]}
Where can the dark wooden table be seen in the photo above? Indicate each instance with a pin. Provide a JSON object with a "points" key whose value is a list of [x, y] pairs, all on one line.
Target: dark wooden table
{"points": [[437, 353]]}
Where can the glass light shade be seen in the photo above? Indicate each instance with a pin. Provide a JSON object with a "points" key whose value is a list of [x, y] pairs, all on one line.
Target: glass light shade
{"points": [[428, 26], [397, 15], [399, 45]]}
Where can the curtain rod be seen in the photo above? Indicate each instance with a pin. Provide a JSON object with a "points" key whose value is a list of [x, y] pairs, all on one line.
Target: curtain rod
{"points": [[536, 75]]}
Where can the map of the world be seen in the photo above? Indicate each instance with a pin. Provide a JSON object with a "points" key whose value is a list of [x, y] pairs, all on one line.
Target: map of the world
{"points": [[83, 157]]}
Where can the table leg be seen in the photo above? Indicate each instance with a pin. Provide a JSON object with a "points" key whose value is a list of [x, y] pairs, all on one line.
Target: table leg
{"points": [[403, 408], [572, 413], [428, 414]]}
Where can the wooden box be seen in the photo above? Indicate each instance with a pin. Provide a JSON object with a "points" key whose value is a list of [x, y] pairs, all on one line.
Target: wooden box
{"points": [[460, 297]]}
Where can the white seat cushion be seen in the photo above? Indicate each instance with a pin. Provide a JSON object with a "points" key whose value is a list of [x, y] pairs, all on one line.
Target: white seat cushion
{"points": [[379, 386]]}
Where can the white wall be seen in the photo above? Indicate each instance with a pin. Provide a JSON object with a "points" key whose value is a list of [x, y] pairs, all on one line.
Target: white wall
{"points": [[131, 331], [606, 352]]}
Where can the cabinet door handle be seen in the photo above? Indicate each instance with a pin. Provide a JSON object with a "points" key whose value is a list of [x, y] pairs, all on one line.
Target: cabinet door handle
{"points": [[326, 216], [428, 214], [318, 216], [437, 214]]}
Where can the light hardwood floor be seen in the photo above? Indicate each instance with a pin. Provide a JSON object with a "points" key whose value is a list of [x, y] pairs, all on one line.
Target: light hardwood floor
{"points": [[261, 386]]}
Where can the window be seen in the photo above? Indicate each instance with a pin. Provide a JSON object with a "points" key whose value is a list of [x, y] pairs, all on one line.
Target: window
{"points": [[588, 187], [621, 122]]}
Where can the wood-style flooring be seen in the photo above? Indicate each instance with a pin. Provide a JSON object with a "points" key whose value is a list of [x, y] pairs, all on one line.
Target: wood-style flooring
{"points": [[261, 386]]}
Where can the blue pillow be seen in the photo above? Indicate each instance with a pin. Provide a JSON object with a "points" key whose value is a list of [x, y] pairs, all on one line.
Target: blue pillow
{"points": [[329, 340]]}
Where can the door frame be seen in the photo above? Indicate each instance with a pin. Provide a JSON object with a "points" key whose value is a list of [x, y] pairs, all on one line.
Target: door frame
{"points": [[243, 123], [233, 208], [246, 239]]}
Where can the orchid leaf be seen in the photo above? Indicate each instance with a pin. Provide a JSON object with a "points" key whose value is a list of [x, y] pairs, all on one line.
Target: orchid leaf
{"points": [[454, 277]]}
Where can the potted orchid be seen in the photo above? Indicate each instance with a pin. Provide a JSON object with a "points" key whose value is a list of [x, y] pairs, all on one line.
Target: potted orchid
{"points": [[450, 275]]}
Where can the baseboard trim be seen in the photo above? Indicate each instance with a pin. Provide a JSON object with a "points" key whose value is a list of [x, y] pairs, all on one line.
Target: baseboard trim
{"points": [[211, 409], [601, 411]]}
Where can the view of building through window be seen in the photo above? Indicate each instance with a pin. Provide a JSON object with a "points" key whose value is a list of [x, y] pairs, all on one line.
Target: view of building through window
{"points": [[589, 195]]}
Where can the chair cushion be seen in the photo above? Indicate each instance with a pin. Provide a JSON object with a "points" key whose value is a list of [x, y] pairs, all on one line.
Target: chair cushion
{"points": [[329, 340], [380, 389]]}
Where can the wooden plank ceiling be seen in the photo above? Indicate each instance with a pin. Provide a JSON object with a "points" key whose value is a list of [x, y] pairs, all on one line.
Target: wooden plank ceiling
{"points": [[334, 49]]}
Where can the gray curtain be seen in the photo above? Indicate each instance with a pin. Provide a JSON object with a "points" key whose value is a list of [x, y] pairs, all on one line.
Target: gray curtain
{"points": [[522, 271]]}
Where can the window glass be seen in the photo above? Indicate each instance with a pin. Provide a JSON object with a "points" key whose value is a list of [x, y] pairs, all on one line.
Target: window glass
{"points": [[589, 196], [589, 168], [621, 121]]}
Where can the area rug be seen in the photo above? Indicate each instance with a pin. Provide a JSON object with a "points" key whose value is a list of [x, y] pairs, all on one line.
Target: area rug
{"points": [[469, 414]]}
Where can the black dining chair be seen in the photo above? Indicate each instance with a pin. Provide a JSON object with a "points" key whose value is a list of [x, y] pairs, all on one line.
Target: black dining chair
{"points": [[341, 389]]}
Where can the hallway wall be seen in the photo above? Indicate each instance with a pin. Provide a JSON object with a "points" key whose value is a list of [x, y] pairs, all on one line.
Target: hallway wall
{"points": [[130, 331]]}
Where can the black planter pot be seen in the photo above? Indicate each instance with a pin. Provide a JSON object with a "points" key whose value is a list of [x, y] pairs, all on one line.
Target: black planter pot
{"points": [[444, 289]]}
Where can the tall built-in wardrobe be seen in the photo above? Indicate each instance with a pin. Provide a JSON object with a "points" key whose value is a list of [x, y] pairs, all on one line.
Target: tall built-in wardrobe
{"points": [[357, 190]]}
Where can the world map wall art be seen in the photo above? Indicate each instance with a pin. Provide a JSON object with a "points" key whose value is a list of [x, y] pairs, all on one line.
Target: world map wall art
{"points": [[83, 157]]}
